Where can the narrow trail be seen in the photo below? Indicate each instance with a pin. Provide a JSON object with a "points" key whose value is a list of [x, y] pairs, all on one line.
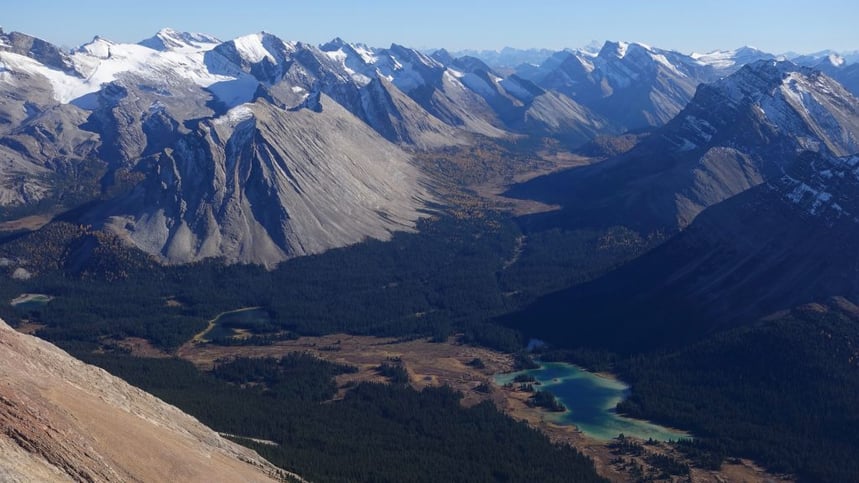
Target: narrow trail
{"points": [[199, 338]]}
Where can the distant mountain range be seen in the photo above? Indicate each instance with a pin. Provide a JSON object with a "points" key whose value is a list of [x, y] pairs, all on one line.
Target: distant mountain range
{"points": [[511, 58], [258, 149], [508, 57], [735, 133]]}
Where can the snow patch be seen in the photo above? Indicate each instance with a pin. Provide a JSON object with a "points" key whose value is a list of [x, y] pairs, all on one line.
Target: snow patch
{"points": [[799, 192], [720, 59], [701, 127], [101, 62], [337, 56], [239, 114], [661, 59], [99, 48], [66, 87], [814, 200], [451, 78], [349, 63], [367, 54], [252, 49], [403, 75], [836, 60], [586, 63], [455, 73]]}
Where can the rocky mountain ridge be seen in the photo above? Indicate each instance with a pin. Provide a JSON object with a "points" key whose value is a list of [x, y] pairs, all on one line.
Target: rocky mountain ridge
{"points": [[735, 134], [133, 121]]}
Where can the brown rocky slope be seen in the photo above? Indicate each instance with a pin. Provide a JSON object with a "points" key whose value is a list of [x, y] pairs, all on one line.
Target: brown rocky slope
{"points": [[63, 420]]}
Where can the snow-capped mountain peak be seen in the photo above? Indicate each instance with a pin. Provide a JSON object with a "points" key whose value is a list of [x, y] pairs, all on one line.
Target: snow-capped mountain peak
{"points": [[355, 59], [101, 62], [366, 54], [801, 105], [617, 49], [334, 44], [414, 55], [168, 39], [252, 47], [835, 60], [727, 60], [757, 79], [593, 47], [98, 47], [263, 56]]}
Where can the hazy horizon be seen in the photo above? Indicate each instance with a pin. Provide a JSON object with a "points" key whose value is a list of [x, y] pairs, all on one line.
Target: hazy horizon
{"points": [[776, 27]]}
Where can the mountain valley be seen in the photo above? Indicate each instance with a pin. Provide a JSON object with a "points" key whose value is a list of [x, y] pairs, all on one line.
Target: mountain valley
{"points": [[398, 226]]}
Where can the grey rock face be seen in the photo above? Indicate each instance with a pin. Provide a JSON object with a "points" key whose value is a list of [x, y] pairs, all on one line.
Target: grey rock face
{"points": [[836, 67], [635, 86], [257, 149], [38, 50], [262, 184], [242, 153], [522, 106], [631, 85]]}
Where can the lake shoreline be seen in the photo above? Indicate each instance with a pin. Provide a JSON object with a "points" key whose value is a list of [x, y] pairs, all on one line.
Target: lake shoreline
{"points": [[590, 399]]}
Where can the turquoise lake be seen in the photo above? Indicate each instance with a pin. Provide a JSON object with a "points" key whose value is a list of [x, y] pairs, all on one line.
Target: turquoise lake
{"points": [[590, 400]]}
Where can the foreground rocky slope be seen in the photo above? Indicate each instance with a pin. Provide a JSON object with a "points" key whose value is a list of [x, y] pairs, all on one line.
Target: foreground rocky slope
{"points": [[63, 420]]}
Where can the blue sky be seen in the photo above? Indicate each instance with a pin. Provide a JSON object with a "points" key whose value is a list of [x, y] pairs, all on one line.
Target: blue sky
{"points": [[775, 26]]}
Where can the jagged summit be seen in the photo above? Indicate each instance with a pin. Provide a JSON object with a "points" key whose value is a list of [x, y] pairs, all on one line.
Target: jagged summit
{"points": [[334, 44], [255, 48], [97, 47], [840, 59], [756, 80], [168, 39], [735, 134], [443, 56], [37, 49], [619, 49], [798, 102], [631, 84]]}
